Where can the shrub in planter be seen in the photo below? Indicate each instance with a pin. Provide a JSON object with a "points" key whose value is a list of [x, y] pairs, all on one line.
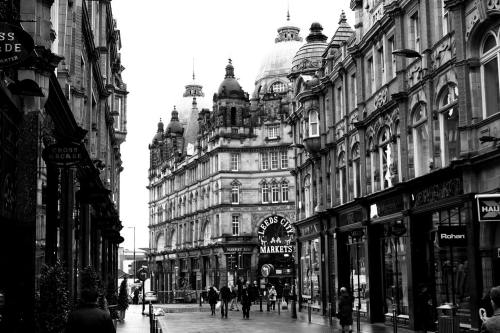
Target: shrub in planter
{"points": [[52, 303]]}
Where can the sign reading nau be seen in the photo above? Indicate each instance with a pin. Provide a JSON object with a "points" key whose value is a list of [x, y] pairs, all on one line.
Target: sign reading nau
{"points": [[488, 207]]}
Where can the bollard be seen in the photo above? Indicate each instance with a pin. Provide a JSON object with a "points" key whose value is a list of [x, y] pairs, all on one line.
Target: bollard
{"points": [[330, 314], [200, 299], [309, 310], [394, 319], [279, 306]]}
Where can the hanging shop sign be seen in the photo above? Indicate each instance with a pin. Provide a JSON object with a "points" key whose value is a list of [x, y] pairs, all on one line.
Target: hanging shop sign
{"points": [[452, 235], [276, 235], [63, 155], [15, 44], [488, 207], [266, 269]]}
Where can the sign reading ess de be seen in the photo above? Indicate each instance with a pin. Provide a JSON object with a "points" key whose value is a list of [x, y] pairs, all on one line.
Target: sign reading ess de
{"points": [[488, 207], [15, 44]]}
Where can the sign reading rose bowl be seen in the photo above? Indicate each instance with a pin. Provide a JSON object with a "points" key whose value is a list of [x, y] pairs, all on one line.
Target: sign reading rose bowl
{"points": [[15, 44], [276, 235]]}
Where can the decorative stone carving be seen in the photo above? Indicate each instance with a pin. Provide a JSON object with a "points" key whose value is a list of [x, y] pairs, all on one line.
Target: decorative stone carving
{"points": [[470, 21], [442, 53], [414, 74], [493, 4], [381, 98]]}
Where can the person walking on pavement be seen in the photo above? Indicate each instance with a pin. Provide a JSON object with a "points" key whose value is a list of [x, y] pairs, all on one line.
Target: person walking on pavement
{"points": [[234, 299], [246, 302], [492, 324], [212, 299], [286, 293], [225, 297], [345, 310], [272, 298], [88, 317]]}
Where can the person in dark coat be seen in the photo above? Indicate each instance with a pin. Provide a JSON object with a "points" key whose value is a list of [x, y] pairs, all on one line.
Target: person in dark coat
{"points": [[225, 297], [212, 299], [492, 324], [88, 317], [425, 308], [135, 299], [345, 310], [246, 302], [286, 293]]}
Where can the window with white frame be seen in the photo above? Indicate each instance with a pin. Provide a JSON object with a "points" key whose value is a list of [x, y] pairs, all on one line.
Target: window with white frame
{"points": [[415, 31], [420, 140], [275, 192], [393, 57], [385, 158], [381, 63], [264, 161], [448, 124], [236, 225], [274, 160], [370, 174], [342, 177], [356, 171], [308, 199], [313, 123], [277, 87], [207, 233], [235, 193], [284, 191], [173, 239], [284, 159], [273, 131], [490, 58], [235, 161], [265, 192], [445, 18], [371, 75]]}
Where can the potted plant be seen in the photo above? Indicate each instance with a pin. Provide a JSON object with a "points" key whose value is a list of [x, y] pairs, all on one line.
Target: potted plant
{"points": [[123, 299], [52, 302]]}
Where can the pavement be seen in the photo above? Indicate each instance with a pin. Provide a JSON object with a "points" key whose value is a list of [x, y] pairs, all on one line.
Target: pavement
{"points": [[190, 318]]}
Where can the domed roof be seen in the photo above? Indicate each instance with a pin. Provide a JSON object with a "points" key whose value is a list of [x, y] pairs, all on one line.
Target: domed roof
{"points": [[174, 126], [230, 87], [309, 56], [159, 134], [278, 60]]}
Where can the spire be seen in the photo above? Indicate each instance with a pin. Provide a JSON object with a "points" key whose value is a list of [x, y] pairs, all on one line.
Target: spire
{"points": [[160, 126], [343, 18], [193, 89], [288, 31], [229, 70], [288, 12]]}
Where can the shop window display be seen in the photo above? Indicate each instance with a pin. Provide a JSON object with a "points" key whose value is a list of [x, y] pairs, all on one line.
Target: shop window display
{"points": [[358, 274], [310, 264]]}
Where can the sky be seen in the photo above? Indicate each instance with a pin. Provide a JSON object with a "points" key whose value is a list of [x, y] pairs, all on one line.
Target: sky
{"points": [[161, 39]]}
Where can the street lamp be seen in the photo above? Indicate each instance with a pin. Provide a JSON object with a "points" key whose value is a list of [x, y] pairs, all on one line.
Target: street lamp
{"points": [[135, 265]]}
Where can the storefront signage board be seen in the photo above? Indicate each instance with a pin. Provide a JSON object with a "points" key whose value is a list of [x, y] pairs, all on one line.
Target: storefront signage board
{"points": [[276, 235], [438, 191], [390, 205], [238, 249], [15, 45], [452, 236], [488, 207], [63, 155]]}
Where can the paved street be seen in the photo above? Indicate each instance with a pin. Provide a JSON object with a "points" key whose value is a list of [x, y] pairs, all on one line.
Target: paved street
{"points": [[134, 321]]}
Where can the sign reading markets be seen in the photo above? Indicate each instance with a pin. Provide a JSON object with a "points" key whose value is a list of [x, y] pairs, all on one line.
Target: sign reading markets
{"points": [[15, 44], [276, 235]]}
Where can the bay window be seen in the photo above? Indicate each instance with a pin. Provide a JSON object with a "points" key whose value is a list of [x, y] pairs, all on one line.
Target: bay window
{"points": [[313, 124], [448, 124]]}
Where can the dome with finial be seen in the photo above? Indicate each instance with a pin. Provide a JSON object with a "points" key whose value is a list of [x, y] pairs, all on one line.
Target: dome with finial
{"points": [[277, 62], [174, 126], [230, 87], [309, 56], [159, 133]]}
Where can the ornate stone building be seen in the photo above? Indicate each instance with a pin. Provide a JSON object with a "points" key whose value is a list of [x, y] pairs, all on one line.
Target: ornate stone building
{"points": [[221, 212], [62, 120], [397, 161]]}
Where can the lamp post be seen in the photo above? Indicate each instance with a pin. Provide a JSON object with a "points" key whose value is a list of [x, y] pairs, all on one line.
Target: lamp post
{"points": [[134, 263]]}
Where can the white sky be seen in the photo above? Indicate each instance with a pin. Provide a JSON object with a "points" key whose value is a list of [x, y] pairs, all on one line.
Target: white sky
{"points": [[160, 38]]}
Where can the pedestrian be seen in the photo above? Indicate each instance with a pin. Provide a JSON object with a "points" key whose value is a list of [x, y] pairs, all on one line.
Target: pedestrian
{"points": [[88, 317], [286, 293], [212, 299], [279, 293], [492, 324], [345, 310], [234, 299], [272, 298], [255, 292], [485, 308], [225, 297], [246, 302], [135, 299], [424, 307]]}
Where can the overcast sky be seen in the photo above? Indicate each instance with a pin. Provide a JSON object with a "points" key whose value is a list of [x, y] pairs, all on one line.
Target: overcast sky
{"points": [[160, 39]]}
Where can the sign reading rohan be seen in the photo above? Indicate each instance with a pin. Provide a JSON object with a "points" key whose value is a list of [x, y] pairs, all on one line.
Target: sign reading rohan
{"points": [[276, 235]]}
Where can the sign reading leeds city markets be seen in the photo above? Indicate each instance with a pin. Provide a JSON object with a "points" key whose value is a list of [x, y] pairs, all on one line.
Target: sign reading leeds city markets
{"points": [[452, 235], [15, 44], [276, 235], [63, 154], [488, 207]]}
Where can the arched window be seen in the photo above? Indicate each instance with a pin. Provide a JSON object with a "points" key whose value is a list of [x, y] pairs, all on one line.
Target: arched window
{"points": [[235, 193], [449, 144], [307, 196], [369, 167], [356, 171], [275, 192], [277, 87], [385, 158], [160, 242], [342, 177], [420, 140], [233, 116], [207, 233], [313, 123], [265, 192], [490, 57], [173, 239]]}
